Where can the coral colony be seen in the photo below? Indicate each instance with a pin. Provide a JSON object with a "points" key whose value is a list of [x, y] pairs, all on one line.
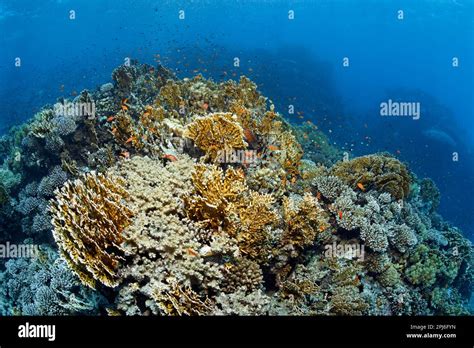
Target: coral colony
{"points": [[190, 197]]}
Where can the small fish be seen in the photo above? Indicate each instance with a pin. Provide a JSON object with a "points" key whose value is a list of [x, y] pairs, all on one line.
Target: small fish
{"points": [[192, 252], [340, 214], [361, 186], [322, 228], [273, 148], [170, 157], [249, 136], [318, 196], [114, 130], [125, 154], [110, 119], [124, 104], [205, 106], [129, 140]]}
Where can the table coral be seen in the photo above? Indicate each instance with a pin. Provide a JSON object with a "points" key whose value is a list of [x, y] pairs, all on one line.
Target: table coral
{"points": [[88, 219]]}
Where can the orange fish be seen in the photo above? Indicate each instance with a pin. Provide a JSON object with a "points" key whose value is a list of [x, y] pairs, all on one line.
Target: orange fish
{"points": [[361, 186], [249, 136], [124, 104], [273, 148], [132, 138], [340, 214], [170, 157], [192, 252], [125, 154], [110, 119], [114, 130], [318, 196], [205, 106], [322, 228]]}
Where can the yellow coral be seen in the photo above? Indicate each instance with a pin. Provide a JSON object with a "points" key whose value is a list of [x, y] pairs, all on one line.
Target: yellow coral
{"points": [[224, 202], [88, 218], [213, 192], [303, 220], [179, 301], [291, 153], [216, 133], [379, 172], [250, 217]]}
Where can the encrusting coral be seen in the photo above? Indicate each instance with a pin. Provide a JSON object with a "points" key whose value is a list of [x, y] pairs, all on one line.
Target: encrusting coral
{"points": [[191, 197]]}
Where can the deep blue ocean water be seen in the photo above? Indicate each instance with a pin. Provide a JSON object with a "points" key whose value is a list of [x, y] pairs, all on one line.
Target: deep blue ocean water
{"points": [[295, 62]]}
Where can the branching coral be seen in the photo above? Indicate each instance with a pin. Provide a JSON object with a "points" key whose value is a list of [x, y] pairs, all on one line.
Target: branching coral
{"points": [[304, 220], [45, 286], [179, 301], [213, 193], [215, 134], [249, 219], [88, 219], [224, 202], [379, 172]]}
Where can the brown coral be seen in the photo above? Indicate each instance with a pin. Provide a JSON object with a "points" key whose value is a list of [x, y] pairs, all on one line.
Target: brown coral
{"points": [[224, 202], [213, 192], [243, 273], [379, 172], [304, 220], [248, 220], [216, 133], [88, 219], [182, 301]]}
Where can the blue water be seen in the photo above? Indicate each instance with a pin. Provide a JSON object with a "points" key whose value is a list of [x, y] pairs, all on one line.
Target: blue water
{"points": [[295, 62]]}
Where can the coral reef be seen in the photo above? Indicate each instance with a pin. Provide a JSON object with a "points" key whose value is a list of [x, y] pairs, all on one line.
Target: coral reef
{"points": [[191, 197], [45, 286]]}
